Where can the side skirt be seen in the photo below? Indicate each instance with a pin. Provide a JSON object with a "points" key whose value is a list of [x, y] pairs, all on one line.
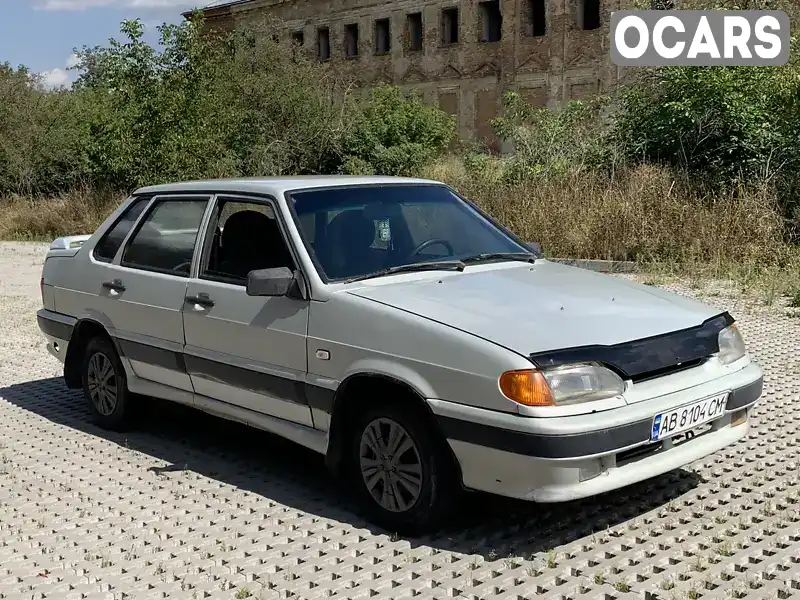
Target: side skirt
{"points": [[305, 436]]}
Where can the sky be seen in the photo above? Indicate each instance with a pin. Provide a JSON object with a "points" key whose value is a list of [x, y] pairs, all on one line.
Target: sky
{"points": [[42, 34]]}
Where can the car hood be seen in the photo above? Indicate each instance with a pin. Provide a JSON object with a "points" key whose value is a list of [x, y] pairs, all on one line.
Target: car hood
{"points": [[530, 308]]}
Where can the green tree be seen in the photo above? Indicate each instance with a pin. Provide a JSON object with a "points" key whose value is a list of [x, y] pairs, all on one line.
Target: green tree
{"points": [[240, 105], [42, 135]]}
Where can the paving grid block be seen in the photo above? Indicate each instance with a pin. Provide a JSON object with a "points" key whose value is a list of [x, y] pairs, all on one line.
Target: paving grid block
{"points": [[188, 506]]}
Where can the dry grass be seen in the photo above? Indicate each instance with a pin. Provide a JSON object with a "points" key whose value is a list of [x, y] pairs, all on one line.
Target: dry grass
{"points": [[43, 219], [645, 215]]}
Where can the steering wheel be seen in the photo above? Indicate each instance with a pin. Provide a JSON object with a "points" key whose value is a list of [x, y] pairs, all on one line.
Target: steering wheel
{"points": [[432, 242], [185, 265]]}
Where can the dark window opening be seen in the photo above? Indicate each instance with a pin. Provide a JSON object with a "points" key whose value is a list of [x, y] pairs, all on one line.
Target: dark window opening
{"points": [[538, 16], [351, 40], [492, 21], [450, 25], [383, 37], [247, 237], [298, 38], [323, 43], [590, 19], [414, 21], [164, 241], [106, 248]]}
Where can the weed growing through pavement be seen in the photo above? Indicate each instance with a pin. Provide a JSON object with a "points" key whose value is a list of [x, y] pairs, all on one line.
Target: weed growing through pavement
{"points": [[622, 586], [724, 549]]}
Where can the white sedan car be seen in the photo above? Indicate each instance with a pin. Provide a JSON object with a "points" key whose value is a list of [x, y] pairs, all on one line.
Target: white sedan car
{"points": [[392, 326]]}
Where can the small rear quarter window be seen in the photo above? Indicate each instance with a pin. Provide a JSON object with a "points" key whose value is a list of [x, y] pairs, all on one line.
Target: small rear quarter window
{"points": [[106, 249]]}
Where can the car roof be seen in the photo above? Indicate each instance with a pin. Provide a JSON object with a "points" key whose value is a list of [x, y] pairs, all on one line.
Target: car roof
{"points": [[277, 185]]}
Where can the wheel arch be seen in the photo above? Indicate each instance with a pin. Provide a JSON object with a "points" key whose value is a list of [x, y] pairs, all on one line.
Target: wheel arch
{"points": [[84, 331], [354, 391]]}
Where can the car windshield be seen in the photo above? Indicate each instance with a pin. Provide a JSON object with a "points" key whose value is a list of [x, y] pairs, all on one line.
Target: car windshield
{"points": [[367, 231]]}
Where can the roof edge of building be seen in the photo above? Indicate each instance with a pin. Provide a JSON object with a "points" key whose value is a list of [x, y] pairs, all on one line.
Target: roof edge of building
{"points": [[224, 5]]}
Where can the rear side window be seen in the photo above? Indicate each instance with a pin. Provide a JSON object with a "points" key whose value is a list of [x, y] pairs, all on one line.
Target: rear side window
{"points": [[165, 240], [106, 249]]}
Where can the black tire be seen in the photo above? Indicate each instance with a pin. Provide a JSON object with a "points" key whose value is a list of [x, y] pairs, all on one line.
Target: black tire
{"points": [[119, 416], [440, 486]]}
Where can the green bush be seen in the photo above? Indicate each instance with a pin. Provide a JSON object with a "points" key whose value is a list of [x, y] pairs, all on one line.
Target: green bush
{"points": [[396, 134], [723, 126], [729, 122], [553, 143]]}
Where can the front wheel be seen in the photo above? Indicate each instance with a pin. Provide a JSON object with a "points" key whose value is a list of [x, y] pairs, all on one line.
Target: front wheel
{"points": [[105, 385], [402, 473]]}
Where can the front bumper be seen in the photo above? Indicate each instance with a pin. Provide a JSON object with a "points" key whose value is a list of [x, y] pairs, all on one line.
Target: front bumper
{"points": [[564, 458]]}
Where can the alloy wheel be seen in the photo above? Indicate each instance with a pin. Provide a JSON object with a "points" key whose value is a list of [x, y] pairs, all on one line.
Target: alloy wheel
{"points": [[390, 465], [102, 383]]}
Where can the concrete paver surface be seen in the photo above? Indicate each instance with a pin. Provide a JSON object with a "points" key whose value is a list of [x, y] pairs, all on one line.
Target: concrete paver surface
{"points": [[189, 506]]}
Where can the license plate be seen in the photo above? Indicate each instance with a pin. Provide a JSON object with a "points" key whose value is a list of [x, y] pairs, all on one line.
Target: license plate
{"points": [[688, 417]]}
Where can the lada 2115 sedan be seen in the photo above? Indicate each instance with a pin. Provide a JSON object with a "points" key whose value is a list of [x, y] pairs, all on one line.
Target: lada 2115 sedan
{"points": [[392, 326]]}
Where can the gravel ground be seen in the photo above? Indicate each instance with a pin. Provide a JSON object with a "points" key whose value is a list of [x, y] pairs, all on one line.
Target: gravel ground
{"points": [[190, 506]]}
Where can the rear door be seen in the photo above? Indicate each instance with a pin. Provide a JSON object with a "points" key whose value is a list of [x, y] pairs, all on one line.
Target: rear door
{"points": [[243, 350], [145, 285]]}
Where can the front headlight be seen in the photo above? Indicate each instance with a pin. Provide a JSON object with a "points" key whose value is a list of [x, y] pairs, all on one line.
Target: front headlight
{"points": [[561, 386], [583, 383], [731, 345]]}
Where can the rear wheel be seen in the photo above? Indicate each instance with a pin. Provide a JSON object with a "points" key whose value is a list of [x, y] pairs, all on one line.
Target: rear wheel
{"points": [[105, 385], [400, 469]]}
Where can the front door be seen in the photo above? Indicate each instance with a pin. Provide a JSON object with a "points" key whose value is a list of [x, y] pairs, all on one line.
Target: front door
{"points": [[243, 350]]}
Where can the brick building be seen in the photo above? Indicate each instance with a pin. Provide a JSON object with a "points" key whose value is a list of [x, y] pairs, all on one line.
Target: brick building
{"points": [[461, 54]]}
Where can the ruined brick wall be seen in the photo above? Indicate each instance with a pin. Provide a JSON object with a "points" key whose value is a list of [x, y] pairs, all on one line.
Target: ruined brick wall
{"points": [[549, 60]]}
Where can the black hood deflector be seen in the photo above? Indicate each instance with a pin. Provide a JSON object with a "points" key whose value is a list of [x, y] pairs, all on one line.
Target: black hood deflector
{"points": [[649, 357]]}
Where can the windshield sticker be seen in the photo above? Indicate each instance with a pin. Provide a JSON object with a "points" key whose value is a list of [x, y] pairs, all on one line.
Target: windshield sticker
{"points": [[384, 231]]}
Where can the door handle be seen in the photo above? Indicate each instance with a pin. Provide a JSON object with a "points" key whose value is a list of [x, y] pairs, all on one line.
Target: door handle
{"points": [[114, 286], [201, 299]]}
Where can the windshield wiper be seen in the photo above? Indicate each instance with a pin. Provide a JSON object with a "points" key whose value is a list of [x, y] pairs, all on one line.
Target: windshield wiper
{"points": [[523, 256], [442, 265]]}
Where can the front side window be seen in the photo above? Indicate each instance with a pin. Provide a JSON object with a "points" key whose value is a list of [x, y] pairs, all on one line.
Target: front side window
{"points": [[106, 249], [164, 241], [245, 237], [365, 229]]}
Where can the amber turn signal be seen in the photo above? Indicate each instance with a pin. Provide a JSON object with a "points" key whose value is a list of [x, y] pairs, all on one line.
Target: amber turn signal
{"points": [[527, 387]]}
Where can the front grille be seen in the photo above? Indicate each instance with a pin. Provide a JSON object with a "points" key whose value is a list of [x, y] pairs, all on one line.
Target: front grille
{"points": [[640, 452], [671, 370]]}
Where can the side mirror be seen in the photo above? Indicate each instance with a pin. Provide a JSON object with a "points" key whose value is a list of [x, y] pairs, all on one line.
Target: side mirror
{"points": [[535, 246], [270, 282]]}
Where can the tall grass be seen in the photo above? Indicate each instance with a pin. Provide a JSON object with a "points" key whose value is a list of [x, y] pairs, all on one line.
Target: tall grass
{"points": [[643, 213], [42, 218]]}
